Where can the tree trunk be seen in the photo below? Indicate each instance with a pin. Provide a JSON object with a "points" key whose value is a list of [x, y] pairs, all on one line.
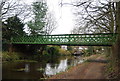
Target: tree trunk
{"points": [[117, 46]]}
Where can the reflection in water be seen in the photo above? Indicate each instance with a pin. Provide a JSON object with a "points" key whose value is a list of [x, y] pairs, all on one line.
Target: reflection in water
{"points": [[30, 69], [62, 66], [27, 68], [53, 70]]}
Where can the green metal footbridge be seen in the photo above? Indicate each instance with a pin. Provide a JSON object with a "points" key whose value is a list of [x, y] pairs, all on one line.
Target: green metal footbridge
{"points": [[104, 39]]}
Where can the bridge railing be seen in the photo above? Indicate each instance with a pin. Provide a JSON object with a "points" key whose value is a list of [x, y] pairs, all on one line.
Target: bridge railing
{"points": [[67, 39]]}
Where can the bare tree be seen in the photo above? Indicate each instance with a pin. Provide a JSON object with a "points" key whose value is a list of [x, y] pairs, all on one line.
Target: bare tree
{"points": [[50, 23], [76, 30], [11, 8], [95, 16]]}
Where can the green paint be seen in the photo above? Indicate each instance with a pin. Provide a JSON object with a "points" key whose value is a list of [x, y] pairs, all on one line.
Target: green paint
{"points": [[104, 39]]}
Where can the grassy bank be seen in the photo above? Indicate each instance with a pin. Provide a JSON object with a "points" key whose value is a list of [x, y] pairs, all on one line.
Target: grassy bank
{"points": [[15, 57]]}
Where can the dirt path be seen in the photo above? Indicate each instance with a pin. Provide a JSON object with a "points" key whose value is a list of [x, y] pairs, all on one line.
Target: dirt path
{"points": [[94, 69]]}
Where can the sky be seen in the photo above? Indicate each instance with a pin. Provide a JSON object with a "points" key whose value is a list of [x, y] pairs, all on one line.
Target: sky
{"points": [[63, 15]]}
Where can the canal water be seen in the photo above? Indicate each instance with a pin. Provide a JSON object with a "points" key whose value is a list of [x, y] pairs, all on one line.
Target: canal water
{"points": [[37, 70]]}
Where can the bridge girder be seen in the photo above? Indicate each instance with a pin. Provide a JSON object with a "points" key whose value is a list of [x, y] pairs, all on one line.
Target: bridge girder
{"points": [[105, 39]]}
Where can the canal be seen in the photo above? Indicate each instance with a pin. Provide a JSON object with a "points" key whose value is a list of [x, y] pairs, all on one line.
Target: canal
{"points": [[38, 70]]}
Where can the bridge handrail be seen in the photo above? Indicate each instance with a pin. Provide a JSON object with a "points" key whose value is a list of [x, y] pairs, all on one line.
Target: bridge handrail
{"points": [[77, 34]]}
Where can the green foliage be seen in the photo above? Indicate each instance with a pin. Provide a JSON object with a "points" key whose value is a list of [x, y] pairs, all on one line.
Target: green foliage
{"points": [[55, 51], [38, 23], [7, 56], [64, 52], [88, 51], [12, 27], [52, 50], [70, 49], [93, 50]]}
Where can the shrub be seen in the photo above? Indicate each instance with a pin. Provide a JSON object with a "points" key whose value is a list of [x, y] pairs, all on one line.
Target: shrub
{"points": [[55, 51], [51, 51], [7, 56], [64, 52]]}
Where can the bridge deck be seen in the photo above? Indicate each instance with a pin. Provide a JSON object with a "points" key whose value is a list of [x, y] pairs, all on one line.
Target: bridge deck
{"points": [[106, 39]]}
